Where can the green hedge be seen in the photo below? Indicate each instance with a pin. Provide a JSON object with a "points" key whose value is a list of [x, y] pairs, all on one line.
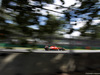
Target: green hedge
{"points": [[42, 46], [8, 45]]}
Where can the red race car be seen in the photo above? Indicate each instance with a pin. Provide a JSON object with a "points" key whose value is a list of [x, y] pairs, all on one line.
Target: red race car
{"points": [[47, 48]]}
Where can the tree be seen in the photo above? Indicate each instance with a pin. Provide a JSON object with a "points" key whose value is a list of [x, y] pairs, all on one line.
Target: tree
{"points": [[93, 31], [22, 14], [52, 24], [27, 13], [87, 11]]}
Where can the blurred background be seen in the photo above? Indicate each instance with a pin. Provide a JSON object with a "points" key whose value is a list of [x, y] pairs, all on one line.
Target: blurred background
{"points": [[32, 24]]}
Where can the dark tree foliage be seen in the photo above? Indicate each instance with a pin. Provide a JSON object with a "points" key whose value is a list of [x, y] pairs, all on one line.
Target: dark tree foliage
{"points": [[88, 11], [23, 13], [52, 25]]}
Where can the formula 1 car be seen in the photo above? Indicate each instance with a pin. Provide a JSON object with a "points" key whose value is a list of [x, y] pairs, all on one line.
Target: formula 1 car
{"points": [[54, 48]]}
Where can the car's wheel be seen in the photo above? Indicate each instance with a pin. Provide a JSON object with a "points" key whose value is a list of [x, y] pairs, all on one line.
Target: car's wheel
{"points": [[46, 49], [60, 49]]}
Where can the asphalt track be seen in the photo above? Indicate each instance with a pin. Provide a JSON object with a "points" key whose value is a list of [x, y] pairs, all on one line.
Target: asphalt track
{"points": [[43, 51], [20, 63]]}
